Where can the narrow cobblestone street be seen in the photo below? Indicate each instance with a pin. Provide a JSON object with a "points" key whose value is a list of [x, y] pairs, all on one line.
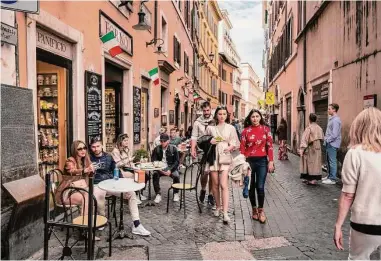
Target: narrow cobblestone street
{"points": [[300, 226]]}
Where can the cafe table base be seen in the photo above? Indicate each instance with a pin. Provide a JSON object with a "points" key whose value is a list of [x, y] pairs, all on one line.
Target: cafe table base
{"points": [[149, 201], [123, 185]]}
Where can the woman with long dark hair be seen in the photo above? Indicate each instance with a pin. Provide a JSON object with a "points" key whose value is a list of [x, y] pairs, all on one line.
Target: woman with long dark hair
{"points": [[257, 146], [282, 138], [226, 140], [77, 168]]}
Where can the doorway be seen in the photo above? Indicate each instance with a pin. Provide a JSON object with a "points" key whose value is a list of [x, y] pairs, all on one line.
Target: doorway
{"points": [[288, 114], [113, 104], [54, 110]]}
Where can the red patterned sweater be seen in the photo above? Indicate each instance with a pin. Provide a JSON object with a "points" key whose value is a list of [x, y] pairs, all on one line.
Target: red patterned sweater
{"points": [[254, 140]]}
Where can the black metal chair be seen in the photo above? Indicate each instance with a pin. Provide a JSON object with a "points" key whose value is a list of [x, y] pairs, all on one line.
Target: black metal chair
{"points": [[191, 176], [99, 221]]}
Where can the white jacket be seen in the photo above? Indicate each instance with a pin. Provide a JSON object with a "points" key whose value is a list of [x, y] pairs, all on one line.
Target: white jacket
{"points": [[239, 169]]}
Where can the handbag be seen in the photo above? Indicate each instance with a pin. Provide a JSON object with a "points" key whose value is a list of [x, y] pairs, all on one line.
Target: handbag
{"points": [[81, 183], [224, 158]]}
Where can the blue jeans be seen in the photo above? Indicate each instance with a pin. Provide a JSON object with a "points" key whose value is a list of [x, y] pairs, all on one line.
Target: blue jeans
{"points": [[331, 161], [258, 178]]}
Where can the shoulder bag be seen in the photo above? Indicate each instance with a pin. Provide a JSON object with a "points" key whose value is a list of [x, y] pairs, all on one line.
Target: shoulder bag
{"points": [[224, 158]]}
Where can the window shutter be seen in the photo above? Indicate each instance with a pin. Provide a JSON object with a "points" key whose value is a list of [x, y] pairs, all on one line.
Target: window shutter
{"points": [[174, 49], [179, 53]]}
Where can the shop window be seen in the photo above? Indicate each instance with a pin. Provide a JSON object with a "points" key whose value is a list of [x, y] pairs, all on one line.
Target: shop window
{"points": [[224, 75]]}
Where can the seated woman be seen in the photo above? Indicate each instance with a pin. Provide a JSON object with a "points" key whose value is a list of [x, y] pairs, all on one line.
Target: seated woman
{"points": [[123, 159], [77, 167]]}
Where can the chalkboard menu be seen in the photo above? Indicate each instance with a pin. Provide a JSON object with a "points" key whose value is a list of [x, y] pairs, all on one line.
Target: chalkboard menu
{"points": [[93, 83], [137, 114]]}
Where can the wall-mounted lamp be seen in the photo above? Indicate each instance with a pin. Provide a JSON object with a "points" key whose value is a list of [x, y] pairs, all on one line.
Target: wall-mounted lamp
{"points": [[154, 41], [211, 57], [142, 25]]}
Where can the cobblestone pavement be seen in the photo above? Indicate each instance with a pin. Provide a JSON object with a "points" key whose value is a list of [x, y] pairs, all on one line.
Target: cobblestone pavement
{"points": [[300, 225]]}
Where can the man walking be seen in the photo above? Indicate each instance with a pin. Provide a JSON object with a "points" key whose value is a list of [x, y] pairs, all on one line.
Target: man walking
{"points": [[169, 155], [332, 142], [199, 128]]}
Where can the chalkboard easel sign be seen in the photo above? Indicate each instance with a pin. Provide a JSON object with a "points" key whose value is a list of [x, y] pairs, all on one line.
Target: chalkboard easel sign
{"points": [[137, 114], [93, 97]]}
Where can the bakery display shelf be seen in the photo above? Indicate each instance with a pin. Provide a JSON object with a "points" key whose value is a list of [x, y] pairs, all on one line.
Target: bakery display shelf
{"points": [[48, 126]]}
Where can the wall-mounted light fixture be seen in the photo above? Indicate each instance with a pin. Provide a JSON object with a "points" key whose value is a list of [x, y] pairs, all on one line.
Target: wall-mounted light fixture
{"points": [[142, 25], [211, 57], [154, 41]]}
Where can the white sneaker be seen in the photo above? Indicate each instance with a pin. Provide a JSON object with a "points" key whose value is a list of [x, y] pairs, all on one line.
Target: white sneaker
{"points": [[142, 198], [325, 178], [140, 230], [329, 182], [217, 213], [157, 199], [138, 201], [176, 197]]}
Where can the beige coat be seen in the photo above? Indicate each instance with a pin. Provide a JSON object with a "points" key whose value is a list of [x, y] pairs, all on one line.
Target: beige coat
{"points": [[230, 138], [310, 161], [123, 158]]}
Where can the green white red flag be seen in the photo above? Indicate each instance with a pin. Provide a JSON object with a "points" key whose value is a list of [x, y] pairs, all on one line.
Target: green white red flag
{"points": [[111, 44], [154, 74], [196, 97]]}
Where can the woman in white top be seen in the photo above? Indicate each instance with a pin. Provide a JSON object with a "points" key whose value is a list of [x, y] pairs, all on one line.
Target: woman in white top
{"points": [[361, 190], [226, 140]]}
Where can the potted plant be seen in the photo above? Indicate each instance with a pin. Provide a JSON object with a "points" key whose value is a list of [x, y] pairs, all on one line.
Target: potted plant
{"points": [[139, 154]]}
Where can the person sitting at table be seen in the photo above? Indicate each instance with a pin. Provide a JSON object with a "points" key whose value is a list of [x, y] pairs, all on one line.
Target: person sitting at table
{"points": [[169, 155], [175, 140], [156, 142], [123, 158], [104, 171], [77, 168]]}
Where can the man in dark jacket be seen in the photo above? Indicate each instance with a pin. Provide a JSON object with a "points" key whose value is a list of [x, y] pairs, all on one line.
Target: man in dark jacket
{"points": [[105, 166], [170, 156]]}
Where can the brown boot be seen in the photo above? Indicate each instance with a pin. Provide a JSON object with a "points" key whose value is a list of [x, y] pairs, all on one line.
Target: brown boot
{"points": [[261, 214], [255, 214]]}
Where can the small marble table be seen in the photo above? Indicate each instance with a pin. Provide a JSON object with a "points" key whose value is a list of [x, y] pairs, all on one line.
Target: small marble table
{"points": [[122, 185], [150, 170]]}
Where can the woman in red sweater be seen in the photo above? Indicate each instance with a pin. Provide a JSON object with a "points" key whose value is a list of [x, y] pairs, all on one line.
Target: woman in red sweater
{"points": [[257, 146]]}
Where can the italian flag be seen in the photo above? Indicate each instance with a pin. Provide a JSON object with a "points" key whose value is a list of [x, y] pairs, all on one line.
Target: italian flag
{"points": [[154, 74], [111, 44], [196, 97]]}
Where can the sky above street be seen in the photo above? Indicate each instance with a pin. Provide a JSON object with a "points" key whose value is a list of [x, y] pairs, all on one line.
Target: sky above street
{"points": [[247, 32]]}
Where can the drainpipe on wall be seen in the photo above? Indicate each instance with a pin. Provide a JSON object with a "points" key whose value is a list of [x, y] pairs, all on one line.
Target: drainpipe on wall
{"points": [[304, 58], [155, 29], [285, 43]]}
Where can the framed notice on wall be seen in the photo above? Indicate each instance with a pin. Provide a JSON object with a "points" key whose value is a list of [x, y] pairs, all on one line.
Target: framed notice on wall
{"points": [[136, 114], [93, 106], [171, 117]]}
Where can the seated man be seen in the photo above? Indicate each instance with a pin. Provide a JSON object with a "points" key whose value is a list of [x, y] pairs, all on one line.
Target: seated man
{"points": [[175, 140], [170, 156], [104, 171], [156, 142]]}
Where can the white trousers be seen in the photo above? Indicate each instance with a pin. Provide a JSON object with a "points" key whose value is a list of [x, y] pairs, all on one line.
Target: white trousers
{"points": [[361, 246], [100, 195]]}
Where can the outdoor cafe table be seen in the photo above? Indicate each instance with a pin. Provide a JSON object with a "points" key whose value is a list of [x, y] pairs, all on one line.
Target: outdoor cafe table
{"points": [[150, 170], [122, 185]]}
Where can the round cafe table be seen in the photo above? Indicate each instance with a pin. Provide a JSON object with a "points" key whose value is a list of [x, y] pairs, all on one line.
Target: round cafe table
{"points": [[122, 185], [150, 170]]}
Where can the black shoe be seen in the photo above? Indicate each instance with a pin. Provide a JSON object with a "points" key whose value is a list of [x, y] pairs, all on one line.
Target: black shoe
{"points": [[202, 196], [211, 201]]}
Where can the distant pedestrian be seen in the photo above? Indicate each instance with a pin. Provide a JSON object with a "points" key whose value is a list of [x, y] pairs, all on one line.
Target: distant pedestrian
{"points": [[310, 152], [361, 191], [332, 142], [188, 133], [257, 146], [282, 138]]}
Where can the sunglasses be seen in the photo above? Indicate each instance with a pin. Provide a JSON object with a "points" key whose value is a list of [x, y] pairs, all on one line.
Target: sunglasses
{"points": [[82, 148]]}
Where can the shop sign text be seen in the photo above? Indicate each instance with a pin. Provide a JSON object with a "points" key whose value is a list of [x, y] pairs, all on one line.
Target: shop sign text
{"points": [[54, 44]]}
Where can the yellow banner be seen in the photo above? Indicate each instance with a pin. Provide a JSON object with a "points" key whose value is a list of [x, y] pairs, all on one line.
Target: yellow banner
{"points": [[270, 99]]}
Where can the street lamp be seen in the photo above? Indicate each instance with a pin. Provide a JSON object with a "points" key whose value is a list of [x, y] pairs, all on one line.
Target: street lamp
{"points": [[142, 25], [211, 57]]}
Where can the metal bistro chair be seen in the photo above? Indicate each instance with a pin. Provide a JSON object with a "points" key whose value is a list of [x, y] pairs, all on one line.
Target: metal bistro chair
{"points": [[193, 173], [99, 221]]}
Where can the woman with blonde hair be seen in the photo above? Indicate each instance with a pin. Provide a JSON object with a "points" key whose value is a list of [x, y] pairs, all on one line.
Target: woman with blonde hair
{"points": [[361, 176], [77, 168]]}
